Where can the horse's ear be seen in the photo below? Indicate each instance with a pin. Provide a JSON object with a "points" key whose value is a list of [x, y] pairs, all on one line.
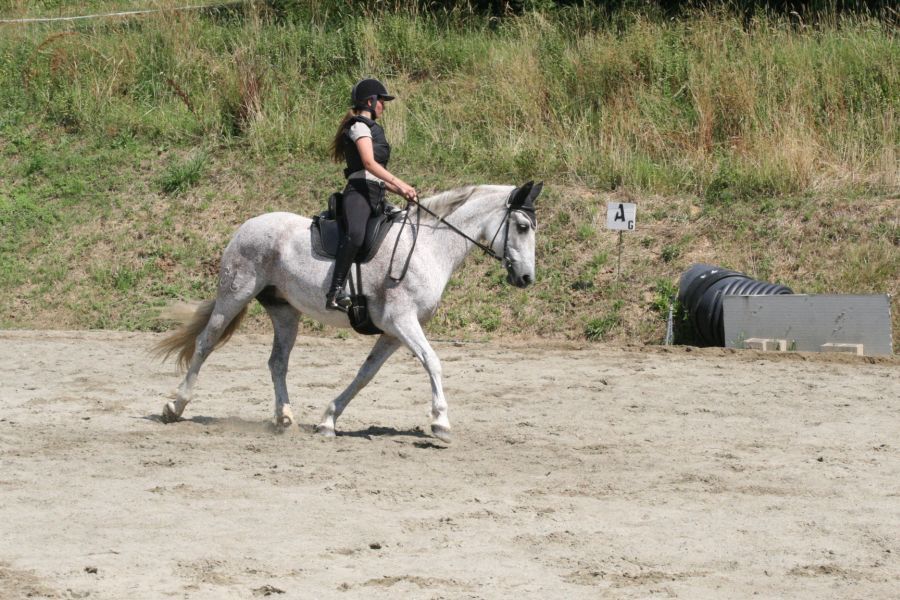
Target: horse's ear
{"points": [[534, 193], [523, 198], [520, 194]]}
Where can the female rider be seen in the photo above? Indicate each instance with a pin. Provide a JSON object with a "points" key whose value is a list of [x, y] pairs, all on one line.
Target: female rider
{"points": [[360, 141]]}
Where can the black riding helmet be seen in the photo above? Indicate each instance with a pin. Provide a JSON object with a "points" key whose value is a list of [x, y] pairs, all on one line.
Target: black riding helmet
{"points": [[366, 92]]}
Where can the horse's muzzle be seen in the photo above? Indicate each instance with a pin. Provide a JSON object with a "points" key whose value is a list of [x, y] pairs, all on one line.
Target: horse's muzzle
{"points": [[520, 281]]}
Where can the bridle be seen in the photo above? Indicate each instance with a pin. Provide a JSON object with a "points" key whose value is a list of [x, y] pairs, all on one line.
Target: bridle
{"points": [[488, 249]]}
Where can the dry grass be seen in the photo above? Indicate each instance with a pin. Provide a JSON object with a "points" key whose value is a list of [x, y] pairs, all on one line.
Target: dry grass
{"points": [[770, 149]]}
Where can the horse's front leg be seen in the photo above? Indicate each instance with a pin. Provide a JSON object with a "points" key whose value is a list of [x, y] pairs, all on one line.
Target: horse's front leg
{"points": [[410, 332], [383, 349], [285, 320]]}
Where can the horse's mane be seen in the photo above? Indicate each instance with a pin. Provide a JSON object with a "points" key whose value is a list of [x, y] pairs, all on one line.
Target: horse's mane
{"points": [[445, 203]]}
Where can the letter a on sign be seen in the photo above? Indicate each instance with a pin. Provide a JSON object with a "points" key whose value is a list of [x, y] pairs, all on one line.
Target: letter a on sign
{"points": [[621, 216]]}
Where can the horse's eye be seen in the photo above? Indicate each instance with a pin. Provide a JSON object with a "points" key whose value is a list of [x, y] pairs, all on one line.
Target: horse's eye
{"points": [[522, 228]]}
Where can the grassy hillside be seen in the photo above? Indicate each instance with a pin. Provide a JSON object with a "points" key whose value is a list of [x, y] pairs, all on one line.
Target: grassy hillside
{"points": [[131, 149]]}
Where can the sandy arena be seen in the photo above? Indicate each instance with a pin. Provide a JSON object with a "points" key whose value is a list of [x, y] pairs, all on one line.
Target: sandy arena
{"points": [[574, 473]]}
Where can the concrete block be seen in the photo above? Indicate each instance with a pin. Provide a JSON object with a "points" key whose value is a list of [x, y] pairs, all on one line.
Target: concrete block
{"points": [[766, 344], [808, 322], [756, 343], [856, 349]]}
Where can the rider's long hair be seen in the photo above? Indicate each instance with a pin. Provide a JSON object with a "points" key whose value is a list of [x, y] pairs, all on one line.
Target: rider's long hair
{"points": [[336, 150]]}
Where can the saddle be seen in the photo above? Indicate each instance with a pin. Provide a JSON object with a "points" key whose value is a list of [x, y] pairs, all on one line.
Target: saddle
{"points": [[326, 235], [327, 231]]}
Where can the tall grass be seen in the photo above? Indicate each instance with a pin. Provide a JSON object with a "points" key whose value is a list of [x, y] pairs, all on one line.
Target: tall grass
{"points": [[131, 149], [711, 102]]}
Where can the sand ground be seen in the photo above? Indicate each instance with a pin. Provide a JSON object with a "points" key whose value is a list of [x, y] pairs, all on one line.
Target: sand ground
{"points": [[596, 472]]}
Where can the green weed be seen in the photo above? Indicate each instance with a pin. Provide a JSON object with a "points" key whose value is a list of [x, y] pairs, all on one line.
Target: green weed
{"points": [[182, 175], [665, 296], [670, 252], [598, 328], [585, 231], [490, 321]]}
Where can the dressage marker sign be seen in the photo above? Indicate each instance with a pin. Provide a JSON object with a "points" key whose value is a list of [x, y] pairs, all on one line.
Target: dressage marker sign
{"points": [[620, 216]]}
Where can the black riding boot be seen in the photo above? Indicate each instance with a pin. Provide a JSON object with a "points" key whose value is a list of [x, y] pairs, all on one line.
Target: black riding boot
{"points": [[336, 299]]}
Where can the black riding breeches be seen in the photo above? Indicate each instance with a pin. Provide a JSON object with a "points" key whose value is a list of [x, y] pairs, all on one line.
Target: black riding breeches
{"points": [[362, 199]]}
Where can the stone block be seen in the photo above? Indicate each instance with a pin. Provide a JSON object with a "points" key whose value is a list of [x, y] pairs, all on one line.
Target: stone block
{"points": [[766, 344], [856, 349]]}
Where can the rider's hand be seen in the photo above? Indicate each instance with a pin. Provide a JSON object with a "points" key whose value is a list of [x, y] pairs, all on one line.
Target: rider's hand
{"points": [[408, 192]]}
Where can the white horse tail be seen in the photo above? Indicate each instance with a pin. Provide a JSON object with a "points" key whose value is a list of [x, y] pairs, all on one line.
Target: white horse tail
{"points": [[184, 339]]}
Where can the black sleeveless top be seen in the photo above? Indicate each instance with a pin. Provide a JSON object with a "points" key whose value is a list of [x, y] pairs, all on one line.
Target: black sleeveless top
{"points": [[380, 147]]}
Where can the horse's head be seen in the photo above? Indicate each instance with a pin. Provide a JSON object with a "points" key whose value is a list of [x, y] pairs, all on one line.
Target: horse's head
{"points": [[518, 251]]}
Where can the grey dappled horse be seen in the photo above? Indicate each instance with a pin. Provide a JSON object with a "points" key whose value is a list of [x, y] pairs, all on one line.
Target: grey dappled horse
{"points": [[271, 258]]}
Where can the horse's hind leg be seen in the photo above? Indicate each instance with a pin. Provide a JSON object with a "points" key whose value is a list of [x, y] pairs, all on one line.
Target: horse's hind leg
{"points": [[285, 319], [383, 349], [224, 317]]}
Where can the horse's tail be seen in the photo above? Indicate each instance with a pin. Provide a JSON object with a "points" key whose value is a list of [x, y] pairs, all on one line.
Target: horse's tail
{"points": [[184, 339]]}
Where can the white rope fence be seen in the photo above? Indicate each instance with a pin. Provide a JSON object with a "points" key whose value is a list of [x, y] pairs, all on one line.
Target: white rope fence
{"points": [[127, 13]]}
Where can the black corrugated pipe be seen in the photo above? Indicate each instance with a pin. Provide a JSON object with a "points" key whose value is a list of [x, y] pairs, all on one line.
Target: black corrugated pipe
{"points": [[701, 291]]}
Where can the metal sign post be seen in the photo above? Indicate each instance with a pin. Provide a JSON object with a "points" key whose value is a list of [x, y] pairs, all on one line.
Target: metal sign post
{"points": [[621, 217], [619, 258]]}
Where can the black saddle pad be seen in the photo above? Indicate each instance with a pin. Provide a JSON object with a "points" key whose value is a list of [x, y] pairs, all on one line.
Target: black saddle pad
{"points": [[326, 234]]}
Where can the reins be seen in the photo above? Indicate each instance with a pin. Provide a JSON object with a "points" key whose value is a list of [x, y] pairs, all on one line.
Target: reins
{"points": [[486, 248]]}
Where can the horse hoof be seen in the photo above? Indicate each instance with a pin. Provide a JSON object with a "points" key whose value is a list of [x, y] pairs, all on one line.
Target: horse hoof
{"points": [[442, 433], [285, 420], [282, 424], [325, 431], [169, 415]]}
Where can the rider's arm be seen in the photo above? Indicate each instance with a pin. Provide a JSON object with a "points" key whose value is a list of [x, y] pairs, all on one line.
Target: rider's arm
{"points": [[391, 182]]}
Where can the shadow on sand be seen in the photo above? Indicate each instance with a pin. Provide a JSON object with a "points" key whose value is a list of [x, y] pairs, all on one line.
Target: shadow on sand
{"points": [[230, 423], [424, 440], [375, 431]]}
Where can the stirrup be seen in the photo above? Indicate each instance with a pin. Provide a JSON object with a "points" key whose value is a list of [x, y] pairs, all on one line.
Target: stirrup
{"points": [[335, 302]]}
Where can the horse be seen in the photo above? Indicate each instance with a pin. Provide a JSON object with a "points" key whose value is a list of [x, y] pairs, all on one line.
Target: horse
{"points": [[271, 258]]}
